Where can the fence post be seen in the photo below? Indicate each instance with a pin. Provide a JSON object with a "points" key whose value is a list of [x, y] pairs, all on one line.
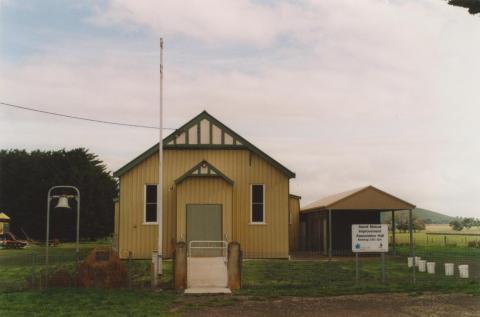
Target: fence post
{"points": [[383, 267], [356, 267], [33, 268], [412, 243]]}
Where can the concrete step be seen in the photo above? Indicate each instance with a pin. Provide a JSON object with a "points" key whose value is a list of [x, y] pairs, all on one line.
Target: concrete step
{"points": [[208, 272], [208, 290]]}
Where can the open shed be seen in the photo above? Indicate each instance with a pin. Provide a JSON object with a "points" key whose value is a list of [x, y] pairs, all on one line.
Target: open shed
{"points": [[326, 224]]}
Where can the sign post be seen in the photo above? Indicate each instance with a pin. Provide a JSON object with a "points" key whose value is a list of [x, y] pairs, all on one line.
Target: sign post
{"points": [[370, 238], [356, 267]]}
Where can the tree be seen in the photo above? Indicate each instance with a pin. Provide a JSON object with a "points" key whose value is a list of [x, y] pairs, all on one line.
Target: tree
{"points": [[402, 223], [418, 224], [456, 225], [473, 6], [468, 222], [25, 178]]}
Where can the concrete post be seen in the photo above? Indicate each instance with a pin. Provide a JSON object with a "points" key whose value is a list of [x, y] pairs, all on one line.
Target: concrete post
{"points": [[155, 281], [180, 265], [234, 265]]}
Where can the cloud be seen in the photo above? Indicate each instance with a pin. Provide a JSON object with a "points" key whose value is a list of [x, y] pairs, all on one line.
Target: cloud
{"points": [[209, 21], [343, 93]]}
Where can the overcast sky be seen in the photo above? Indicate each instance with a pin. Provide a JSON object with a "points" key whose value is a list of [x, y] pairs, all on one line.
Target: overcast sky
{"points": [[346, 93]]}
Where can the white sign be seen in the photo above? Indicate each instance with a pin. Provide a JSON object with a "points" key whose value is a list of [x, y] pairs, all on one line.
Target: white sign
{"points": [[370, 238]]}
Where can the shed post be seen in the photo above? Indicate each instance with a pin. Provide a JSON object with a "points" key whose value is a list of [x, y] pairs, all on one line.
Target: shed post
{"points": [[329, 234], [394, 251], [412, 250]]}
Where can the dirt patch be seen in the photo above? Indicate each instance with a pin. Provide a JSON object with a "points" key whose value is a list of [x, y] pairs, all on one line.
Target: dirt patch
{"points": [[369, 305]]}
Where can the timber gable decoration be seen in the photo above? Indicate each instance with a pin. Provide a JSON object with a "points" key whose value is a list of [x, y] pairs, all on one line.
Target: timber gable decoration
{"points": [[203, 169], [204, 132]]}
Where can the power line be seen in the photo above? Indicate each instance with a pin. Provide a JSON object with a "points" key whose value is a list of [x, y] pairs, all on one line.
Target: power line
{"points": [[82, 118]]}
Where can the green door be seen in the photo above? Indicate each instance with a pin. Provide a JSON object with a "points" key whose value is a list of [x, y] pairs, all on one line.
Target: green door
{"points": [[204, 222]]}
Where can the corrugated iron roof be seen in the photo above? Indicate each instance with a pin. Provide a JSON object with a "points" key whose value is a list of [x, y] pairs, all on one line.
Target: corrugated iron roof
{"points": [[331, 201]]}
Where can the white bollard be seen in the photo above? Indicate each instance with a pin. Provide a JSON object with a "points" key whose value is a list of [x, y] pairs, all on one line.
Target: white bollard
{"points": [[431, 267], [449, 269], [463, 270], [410, 261], [422, 266]]}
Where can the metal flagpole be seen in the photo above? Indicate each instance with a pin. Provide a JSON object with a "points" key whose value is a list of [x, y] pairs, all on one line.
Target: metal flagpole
{"points": [[160, 170]]}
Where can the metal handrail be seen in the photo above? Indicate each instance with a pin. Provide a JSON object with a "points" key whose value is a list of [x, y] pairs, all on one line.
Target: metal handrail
{"points": [[222, 246]]}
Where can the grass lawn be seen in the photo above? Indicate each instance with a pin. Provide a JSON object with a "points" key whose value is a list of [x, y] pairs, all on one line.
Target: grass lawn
{"points": [[86, 302]]}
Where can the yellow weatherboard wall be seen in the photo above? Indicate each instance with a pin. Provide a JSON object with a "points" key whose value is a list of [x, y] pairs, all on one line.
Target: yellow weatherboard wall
{"points": [[257, 240]]}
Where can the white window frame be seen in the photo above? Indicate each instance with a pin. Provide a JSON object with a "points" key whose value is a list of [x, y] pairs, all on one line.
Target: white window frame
{"points": [[251, 204], [145, 222]]}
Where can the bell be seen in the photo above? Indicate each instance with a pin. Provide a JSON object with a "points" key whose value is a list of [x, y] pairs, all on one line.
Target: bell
{"points": [[62, 202]]}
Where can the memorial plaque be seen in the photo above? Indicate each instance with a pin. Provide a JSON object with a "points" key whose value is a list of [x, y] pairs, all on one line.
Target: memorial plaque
{"points": [[102, 256]]}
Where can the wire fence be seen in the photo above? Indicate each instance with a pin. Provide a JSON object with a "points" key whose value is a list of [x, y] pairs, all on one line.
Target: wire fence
{"points": [[305, 273], [313, 273], [439, 239], [28, 270]]}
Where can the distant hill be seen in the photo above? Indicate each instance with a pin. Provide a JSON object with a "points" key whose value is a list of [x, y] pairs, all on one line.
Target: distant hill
{"points": [[428, 216]]}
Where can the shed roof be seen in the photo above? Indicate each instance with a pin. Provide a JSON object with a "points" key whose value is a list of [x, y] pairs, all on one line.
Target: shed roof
{"points": [[363, 198]]}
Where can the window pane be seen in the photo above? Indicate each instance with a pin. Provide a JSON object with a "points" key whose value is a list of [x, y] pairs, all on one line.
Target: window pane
{"points": [[257, 212], [151, 213], [151, 195], [257, 193]]}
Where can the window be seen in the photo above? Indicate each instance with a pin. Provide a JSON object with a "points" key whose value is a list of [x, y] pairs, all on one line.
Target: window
{"points": [[290, 217], [258, 204], [150, 204]]}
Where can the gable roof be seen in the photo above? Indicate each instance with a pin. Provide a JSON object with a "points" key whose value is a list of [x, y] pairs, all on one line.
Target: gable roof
{"points": [[203, 169], [363, 198], [204, 132]]}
